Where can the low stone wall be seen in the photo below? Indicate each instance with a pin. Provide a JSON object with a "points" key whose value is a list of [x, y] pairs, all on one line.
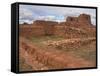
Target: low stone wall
{"points": [[50, 59], [46, 58]]}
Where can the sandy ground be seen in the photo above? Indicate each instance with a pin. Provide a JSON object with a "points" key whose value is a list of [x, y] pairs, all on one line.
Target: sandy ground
{"points": [[47, 58]]}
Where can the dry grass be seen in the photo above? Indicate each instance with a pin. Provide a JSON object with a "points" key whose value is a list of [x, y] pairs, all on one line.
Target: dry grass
{"points": [[85, 49], [23, 66], [73, 54]]}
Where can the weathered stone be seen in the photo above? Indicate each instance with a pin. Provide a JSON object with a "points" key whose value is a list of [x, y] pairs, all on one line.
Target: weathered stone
{"points": [[73, 27]]}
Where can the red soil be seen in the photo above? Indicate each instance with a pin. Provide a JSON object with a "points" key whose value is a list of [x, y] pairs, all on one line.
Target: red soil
{"points": [[46, 59]]}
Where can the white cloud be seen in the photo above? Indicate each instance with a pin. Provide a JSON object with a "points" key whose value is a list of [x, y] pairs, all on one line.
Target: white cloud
{"points": [[25, 21], [33, 12], [24, 13], [46, 18]]}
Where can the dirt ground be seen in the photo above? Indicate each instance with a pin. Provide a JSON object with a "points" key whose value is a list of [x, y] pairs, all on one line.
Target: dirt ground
{"points": [[56, 53]]}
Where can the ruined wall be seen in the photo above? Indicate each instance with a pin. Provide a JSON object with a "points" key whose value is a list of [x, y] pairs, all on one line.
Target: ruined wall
{"points": [[38, 28], [84, 19], [79, 26], [59, 29], [73, 27], [29, 31]]}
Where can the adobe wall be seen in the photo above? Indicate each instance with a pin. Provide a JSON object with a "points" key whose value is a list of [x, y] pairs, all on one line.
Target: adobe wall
{"points": [[84, 19], [70, 28], [38, 28], [59, 29], [27, 31]]}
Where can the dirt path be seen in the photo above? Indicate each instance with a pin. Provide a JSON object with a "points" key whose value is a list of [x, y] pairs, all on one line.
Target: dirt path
{"points": [[46, 59]]}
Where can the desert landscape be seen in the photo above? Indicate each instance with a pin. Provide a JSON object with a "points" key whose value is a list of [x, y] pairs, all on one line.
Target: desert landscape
{"points": [[49, 45]]}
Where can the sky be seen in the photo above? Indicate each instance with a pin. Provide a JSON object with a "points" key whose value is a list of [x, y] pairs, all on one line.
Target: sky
{"points": [[30, 13]]}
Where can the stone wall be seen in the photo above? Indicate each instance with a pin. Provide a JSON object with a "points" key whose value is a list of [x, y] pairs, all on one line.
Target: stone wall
{"points": [[29, 31], [73, 26], [38, 28]]}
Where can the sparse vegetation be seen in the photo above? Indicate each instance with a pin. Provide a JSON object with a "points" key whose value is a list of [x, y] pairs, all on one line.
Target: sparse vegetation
{"points": [[23, 66], [48, 45], [84, 49], [47, 57]]}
